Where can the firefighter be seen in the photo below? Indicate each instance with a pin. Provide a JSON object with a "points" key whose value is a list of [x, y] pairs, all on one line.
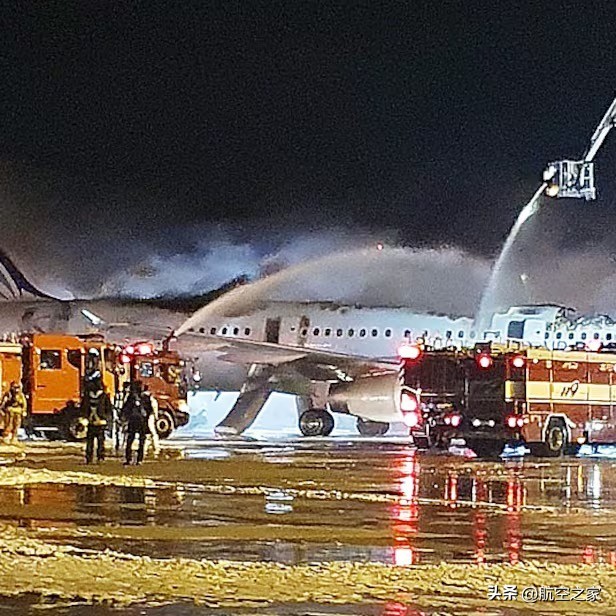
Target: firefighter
{"points": [[152, 420], [96, 407], [135, 412], [119, 400], [14, 406]]}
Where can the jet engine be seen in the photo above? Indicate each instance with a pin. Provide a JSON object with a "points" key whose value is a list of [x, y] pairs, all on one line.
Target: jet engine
{"points": [[375, 397]]}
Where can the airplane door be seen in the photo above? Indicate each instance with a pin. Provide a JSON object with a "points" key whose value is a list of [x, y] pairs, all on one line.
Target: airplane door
{"points": [[272, 330], [304, 326]]}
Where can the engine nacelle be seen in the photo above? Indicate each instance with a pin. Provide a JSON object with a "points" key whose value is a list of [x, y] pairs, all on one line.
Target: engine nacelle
{"points": [[375, 398]]}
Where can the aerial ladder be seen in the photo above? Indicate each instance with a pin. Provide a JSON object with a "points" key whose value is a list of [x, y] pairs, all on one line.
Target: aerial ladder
{"points": [[576, 178]]}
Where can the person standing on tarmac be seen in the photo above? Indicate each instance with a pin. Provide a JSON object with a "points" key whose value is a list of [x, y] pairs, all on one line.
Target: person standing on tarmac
{"points": [[119, 400], [96, 407], [152, 420], [15, 407], [135, 413]]}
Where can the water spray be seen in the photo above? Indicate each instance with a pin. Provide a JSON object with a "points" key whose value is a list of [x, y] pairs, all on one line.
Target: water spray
{"points": [[565, 178]]}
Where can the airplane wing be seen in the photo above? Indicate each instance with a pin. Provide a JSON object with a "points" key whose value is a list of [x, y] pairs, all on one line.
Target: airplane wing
{"points": [[314, 364]]}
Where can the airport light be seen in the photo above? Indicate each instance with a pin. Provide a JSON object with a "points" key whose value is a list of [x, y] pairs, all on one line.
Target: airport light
{"points": [[594, 345]]}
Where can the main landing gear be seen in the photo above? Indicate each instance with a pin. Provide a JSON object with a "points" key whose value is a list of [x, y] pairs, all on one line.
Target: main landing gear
{"points": [[316, 422]]}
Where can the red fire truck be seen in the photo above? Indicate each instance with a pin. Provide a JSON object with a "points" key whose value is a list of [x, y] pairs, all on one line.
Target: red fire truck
{"points": [[551, 400]]}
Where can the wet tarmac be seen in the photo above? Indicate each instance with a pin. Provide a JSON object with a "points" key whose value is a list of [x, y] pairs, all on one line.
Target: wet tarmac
{"points": [[322, 501]]}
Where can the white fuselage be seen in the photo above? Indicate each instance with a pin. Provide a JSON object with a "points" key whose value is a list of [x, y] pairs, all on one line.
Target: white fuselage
{"points": [[376, 333]]}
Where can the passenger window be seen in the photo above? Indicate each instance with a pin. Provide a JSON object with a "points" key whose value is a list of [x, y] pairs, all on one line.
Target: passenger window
{"points": [[571, 336], [583, 336], [461, 334], [338, 333], [236, 331], [596, 336], [351, 333], [375, 333], [547, 335], [223, 331], [472, 334], [202, 330], [388, 333], [559, 335], [448, 334], [304, 331], [213, 331], [328, 331], [247, 331], [316, 331], [362, 333], [407, 333], [74, 358], [51, 360], [608, 336]]}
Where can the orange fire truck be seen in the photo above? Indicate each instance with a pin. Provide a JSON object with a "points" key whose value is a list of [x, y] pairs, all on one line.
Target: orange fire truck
{"points": [[552, 400], [52, 370]]}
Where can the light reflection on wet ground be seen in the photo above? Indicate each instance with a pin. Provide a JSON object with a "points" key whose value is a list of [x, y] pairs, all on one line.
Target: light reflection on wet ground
{"points": [[33, 607], [389, 504]]}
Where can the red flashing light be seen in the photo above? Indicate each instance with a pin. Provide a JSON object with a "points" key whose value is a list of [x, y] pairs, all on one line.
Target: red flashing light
{"points": [[518, 361], [484, 361], [512, 421], [411, 419], [408, 403], [144, 349], [409, 351]]}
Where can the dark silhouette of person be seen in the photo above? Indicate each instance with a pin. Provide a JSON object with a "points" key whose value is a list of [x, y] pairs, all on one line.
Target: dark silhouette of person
{"points": [[135, 413], [96, 407]]}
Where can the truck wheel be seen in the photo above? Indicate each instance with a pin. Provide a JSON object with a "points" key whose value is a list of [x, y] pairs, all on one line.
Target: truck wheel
{"points": [[165, 424], [316, 422], [76, 428], [555, 441], [371, 428]]}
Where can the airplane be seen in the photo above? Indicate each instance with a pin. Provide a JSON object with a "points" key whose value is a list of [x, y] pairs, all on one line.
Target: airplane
{"points": [[345, 359], [333, 358]]}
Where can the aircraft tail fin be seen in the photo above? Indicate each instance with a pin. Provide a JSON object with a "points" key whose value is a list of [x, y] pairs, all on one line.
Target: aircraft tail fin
{"points": [[13, 283]]}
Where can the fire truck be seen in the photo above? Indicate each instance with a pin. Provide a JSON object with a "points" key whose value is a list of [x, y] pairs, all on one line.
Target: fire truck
{"points": [[52, 369], [553, 400]]}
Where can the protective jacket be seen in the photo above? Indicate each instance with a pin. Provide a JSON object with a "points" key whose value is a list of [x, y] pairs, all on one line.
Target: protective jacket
{"points": [[96, 407]]}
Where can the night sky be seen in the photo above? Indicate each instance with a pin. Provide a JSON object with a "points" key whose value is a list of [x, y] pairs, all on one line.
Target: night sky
{"points": [[156, 125]]}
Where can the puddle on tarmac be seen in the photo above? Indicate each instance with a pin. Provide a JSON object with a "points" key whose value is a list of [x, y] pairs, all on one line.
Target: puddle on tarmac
{"points": [[392, 506]]}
